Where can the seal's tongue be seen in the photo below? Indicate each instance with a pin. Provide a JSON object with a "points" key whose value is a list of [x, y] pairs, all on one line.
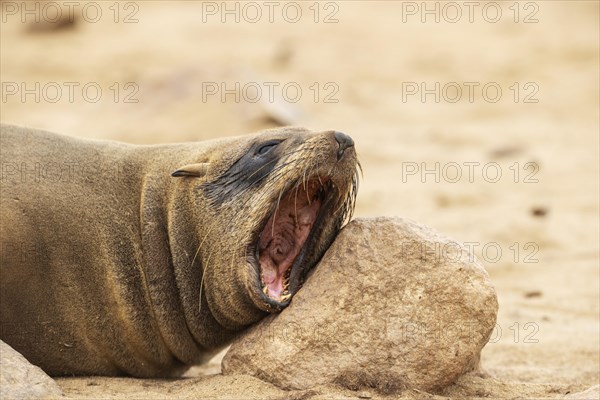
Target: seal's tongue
{"points": [[284, 235]]}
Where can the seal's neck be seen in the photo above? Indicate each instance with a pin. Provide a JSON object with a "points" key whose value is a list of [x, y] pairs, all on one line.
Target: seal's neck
{"points": [[203, 258], [172, 273]]}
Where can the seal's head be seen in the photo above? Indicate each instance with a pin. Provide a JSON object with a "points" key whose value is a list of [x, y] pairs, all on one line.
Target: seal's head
{"points": [[277, 201]]}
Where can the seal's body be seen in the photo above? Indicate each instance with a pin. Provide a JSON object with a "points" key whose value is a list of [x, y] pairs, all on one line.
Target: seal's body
{"points": [[143, 260]]}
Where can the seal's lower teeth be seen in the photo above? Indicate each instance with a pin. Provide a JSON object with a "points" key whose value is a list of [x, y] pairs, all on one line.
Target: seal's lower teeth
{"points": [[286, 280]]}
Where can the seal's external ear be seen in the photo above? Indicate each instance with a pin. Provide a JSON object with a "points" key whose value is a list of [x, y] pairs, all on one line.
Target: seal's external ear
{"points": [[194, 170]]}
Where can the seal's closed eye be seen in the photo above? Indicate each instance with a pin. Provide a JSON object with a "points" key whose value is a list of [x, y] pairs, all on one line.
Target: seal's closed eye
{"points": [[267, 147], [250, 169]]}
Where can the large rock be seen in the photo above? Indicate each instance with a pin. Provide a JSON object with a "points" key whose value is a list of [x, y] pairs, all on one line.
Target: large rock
{"points": [[392, 305], [592, 393], [19, 379]]}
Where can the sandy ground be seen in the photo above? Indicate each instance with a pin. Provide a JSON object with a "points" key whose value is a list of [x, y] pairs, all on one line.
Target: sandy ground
{"points": [[535, 226]]}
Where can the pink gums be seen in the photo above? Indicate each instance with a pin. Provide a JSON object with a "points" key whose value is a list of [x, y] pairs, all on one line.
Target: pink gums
{"points": [[284, 235]]}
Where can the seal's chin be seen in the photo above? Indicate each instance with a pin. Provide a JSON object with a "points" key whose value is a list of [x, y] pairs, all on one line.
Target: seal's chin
{"points": [[284, 237]]}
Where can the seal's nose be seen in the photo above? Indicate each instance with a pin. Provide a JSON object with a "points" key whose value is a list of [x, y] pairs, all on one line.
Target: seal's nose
{"points": [[344, 142]]}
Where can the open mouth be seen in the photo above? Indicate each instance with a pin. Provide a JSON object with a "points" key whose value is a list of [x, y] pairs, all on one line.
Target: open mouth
{"points": [[286, 234]]}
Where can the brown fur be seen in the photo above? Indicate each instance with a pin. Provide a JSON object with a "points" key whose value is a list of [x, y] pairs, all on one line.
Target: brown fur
{"points": [[104, 254]]}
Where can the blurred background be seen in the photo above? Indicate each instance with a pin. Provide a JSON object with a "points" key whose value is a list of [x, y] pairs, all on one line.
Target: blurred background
{"points": [[480, 119]]}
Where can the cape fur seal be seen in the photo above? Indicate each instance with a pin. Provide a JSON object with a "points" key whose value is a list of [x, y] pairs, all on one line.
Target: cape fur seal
{"points": [[143, 260]]}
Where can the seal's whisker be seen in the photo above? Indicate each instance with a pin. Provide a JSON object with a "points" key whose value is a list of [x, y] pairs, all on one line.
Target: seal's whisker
{"points": [[275, 178], [276, 210], [204, 269], [233, 177], [304, 178], [203, 266], [351, 196], [278, 167], [359, 168], [275, 172], [272, 161], [211, 251], [308, 199], [257, 199], [296, 206], [278, 171], [319, 175]]}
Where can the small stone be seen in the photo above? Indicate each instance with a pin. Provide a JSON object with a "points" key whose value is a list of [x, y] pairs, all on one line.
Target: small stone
{"points": [[533, 293], [506, 151], [539, 211], [19, 379], [392, 305]]}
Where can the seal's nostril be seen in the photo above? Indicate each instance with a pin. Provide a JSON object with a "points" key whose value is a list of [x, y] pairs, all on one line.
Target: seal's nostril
{"points": [[344, 141]]}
